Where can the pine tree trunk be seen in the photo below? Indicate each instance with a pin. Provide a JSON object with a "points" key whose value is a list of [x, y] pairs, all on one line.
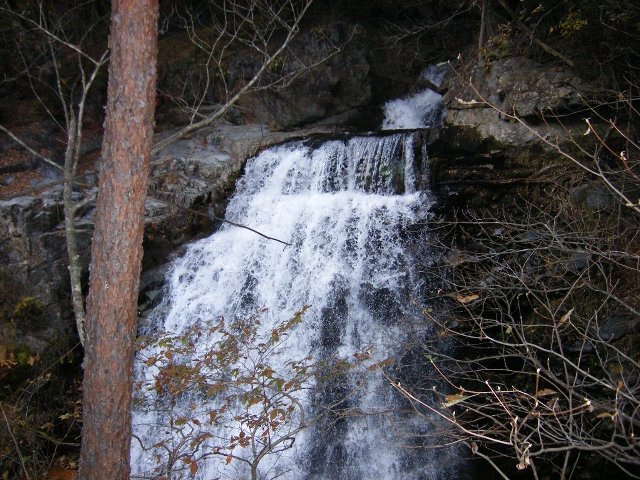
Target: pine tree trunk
{"points": [[117, 243]]}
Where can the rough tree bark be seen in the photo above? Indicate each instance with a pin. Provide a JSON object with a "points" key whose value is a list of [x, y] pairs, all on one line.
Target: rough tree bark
{"points": [[117, 243]]}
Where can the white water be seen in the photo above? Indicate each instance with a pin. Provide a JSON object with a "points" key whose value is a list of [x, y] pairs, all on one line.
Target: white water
{"points": [[346, 207], [420, 110]]}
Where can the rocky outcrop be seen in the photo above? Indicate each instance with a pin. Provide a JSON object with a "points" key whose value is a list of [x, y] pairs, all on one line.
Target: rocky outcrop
{"points": [[501, 127], [34, 264], [519, 86], [336, 72]]}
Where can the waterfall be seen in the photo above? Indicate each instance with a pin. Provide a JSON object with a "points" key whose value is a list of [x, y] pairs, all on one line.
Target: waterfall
{"points": [[351, 210], [423, 109]]}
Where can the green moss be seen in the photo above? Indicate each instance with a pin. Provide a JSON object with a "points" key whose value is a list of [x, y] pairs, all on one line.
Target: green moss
{"points": [[277, 66], [29, 313], [572, 23], [25, 356]]}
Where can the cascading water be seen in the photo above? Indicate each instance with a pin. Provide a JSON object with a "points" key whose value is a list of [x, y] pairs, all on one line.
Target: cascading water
{"points": [[421, 110], [349, 209]]}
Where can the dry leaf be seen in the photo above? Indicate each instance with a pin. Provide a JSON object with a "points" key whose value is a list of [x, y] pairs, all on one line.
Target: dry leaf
{"points": [[454, 399], [565, 318], [467, 298], [605, 415]]}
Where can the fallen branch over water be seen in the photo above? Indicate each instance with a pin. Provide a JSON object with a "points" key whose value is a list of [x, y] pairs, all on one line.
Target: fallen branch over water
{"points": [[214, 217]]}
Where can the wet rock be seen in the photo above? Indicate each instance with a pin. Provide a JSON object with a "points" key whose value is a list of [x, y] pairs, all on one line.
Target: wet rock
{"points": [[151, 287], [189, 185], [494, 134], [482, 100], [474, 128]]}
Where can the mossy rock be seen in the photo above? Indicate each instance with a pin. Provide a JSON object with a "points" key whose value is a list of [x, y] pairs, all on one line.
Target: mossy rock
{"points": [[29, 314]]}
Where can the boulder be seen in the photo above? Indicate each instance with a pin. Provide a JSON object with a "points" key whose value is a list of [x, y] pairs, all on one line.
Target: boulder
{"points": [[483, 100], [518, 85]]}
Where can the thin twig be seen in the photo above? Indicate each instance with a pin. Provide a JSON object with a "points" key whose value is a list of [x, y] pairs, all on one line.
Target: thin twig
{"points": [[15, 442], [292, 31], [475, 451], [50, 34], [214, 217]]}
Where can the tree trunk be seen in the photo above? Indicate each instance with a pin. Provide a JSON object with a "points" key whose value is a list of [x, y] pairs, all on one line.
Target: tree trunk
{"points": [[117, 243]]}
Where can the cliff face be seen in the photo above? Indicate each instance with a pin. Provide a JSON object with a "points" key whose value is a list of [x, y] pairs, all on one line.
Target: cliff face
{"points": [[341, 67], [479, 156]]}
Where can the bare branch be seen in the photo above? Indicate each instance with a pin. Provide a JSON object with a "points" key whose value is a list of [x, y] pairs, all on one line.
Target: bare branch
{"points": [[39, 25], [257, 42], [219, 219], [15, 443], [20, 142]]}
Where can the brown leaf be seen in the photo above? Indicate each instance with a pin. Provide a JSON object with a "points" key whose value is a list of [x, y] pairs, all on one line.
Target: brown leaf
{"points": [[454, 399], [467, 298], [565, 318]]}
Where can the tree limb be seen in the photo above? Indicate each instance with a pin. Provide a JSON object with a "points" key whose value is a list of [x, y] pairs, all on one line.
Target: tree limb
{"points": [[292, 31], [15, 443], [20, 142]]}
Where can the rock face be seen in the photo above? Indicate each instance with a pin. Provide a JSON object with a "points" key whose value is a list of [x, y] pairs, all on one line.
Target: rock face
{"points": [[338, 84], [34, 263], [521, 86], [479, 144], [337, 72], [500, 127], [487, 98]]}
